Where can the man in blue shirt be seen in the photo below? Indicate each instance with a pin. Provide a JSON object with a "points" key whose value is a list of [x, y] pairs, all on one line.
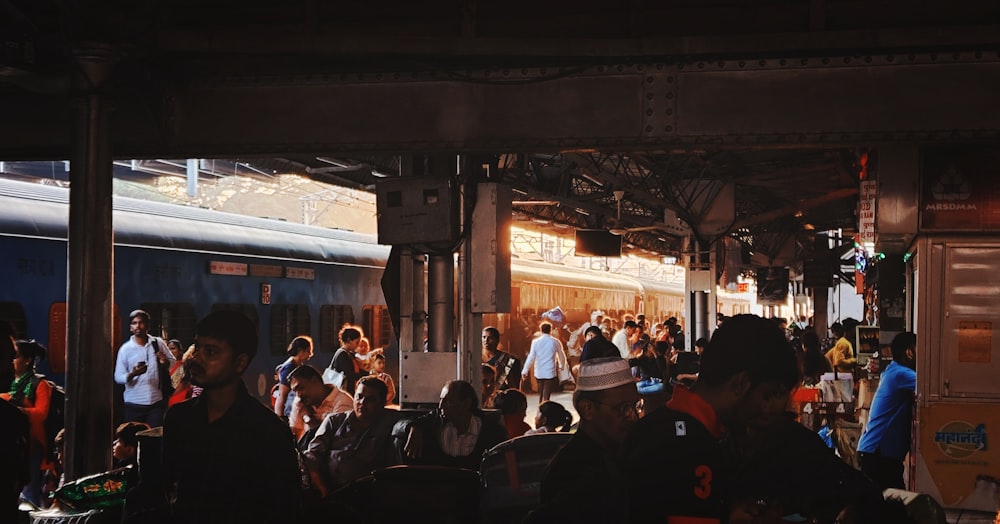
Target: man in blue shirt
{"points": [[887, 436]]}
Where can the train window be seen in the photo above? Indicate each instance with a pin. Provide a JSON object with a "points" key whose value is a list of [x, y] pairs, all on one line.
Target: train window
{"points": [[170, 320], [331, 319], [377, 325], [287, 322], [12, 314]]}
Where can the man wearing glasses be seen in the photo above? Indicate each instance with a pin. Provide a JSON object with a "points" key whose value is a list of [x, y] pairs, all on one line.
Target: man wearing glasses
{"points": [[583, 481]]}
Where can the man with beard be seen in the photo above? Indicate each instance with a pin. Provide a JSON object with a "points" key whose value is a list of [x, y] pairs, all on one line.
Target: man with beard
{"points": [[230, 458], [137, 368]]}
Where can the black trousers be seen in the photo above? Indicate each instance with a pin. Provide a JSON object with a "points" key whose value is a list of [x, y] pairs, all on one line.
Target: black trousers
{"points": [[546, 387], [152, 415], [884, 471]]}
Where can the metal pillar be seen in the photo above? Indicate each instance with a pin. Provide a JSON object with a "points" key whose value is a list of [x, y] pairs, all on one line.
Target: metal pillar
{"points": [[698, 304], [90, 362], [192, 177], [440, 302]]}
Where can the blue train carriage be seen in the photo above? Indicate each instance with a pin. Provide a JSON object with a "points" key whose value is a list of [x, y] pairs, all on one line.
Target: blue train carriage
{"points": [[181, 263]]}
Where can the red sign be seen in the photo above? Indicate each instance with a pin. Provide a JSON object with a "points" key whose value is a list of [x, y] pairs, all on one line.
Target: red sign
{"points": [[216, 267], [743, 287], [303, 273]]}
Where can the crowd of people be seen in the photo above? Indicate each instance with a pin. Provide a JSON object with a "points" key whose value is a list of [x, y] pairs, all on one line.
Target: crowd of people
{"points": [[710, 428]]}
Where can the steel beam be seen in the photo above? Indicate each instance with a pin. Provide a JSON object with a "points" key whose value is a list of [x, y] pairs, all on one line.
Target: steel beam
{"points": [[776, 102]]}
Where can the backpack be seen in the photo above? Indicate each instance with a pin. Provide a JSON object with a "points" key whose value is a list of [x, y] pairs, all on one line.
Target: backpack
{"points": [[55, 421]]}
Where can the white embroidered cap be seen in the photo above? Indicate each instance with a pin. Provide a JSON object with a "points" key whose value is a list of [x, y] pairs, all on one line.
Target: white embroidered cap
{"points": [[598, 374]]}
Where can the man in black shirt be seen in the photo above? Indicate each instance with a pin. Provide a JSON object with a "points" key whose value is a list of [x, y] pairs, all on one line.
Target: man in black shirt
{"points": [[583, 482], [746, 364], [597, 346], [231, 458]]}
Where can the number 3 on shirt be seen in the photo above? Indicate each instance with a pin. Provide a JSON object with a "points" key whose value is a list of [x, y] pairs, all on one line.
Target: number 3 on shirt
{"points": [[704, 475]]}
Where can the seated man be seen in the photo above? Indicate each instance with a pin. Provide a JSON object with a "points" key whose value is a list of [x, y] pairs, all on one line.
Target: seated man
{"points": [[230, 458], [351, 445], [583, 482], [314, 401], [126, 445], [456, 434]]}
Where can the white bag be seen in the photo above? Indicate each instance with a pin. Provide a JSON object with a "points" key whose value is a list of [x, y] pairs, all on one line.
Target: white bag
{"points": [[333, 377]]}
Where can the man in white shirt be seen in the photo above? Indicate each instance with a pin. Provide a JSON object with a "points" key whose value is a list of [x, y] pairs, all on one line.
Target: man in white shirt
{"points": [[137, 368], [623, 337], [548, 358]]}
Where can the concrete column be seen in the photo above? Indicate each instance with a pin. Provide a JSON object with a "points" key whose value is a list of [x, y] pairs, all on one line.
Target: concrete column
{"points": [[90, 357]]}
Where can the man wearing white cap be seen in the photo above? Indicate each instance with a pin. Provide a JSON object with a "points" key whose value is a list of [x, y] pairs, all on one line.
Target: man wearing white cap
{"points": [[583, 480]]}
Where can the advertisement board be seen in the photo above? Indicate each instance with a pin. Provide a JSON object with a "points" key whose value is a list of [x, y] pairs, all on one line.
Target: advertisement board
{"points": [[956, 461], [960, 189]]}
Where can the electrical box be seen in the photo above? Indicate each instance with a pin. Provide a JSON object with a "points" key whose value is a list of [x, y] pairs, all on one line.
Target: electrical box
{"points": [[422, 375], [417, 211]]}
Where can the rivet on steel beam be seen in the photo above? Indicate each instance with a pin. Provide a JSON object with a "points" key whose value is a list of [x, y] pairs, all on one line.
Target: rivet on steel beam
{"points": [[933, 56], [825, 61], [659, 67], [868, 59], [670, 79], [782, 62], [670, 96], [649, 129], [890, 58], [701, 65], [669, 111], [506, 72], [722, 64], [847, 60], [649, 96], [524, 71], [804, 61], [649, 79], [649, 112], [742, 63], [762, 63]]}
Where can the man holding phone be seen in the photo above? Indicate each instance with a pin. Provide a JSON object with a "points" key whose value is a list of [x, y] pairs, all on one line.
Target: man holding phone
{"points": [[137, 369]]}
